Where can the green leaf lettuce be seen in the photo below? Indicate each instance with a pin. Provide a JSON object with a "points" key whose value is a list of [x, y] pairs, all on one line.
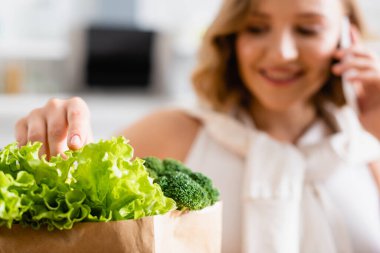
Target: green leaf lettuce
{"points": [[99, 182]]}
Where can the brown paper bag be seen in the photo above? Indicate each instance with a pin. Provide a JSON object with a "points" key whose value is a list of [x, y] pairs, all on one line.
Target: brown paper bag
{"points": [[196, 231]]}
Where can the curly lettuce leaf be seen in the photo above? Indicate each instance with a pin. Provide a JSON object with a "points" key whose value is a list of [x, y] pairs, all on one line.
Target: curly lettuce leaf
{"points": [[99, 182]]}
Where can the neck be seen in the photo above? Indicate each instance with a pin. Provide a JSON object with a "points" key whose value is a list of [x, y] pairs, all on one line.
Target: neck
{"points": [[287, 126]]}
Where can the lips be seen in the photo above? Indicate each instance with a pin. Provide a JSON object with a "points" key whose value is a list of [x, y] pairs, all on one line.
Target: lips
{"points": [[280, 76]]}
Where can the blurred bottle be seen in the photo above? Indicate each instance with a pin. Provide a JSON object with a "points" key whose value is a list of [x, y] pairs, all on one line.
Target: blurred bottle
{"points": [[13, 78]]}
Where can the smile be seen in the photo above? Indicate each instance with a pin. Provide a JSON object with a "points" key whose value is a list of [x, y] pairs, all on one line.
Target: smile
{"points": [[280, 78]]}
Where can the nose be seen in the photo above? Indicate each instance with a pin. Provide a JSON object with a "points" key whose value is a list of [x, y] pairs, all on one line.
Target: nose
{"points": [[283, 47]]}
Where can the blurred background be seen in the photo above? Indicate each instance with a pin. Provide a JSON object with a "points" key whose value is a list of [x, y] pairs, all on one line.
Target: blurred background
{"points": [[124, 57]]}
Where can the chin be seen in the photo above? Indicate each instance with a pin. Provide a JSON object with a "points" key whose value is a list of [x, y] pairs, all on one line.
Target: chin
{"points": [[278, 105]]}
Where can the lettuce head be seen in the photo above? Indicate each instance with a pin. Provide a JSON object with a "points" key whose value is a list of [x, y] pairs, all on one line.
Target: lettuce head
{"points": [[100, 182]]}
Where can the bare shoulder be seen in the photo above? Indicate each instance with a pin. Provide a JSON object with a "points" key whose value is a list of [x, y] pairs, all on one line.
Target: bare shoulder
{"points": [[165, 133]]}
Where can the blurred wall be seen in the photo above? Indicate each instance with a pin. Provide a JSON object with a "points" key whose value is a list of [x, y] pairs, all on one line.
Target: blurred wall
{"points": [[42, 41]]}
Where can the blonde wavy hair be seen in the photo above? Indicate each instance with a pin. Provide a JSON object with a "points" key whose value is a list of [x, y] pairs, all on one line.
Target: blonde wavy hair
{"points": [[216, 78]]}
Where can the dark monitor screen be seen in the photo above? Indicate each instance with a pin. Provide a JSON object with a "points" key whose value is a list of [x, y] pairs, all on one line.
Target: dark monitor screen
{"points": [[118, 57]]}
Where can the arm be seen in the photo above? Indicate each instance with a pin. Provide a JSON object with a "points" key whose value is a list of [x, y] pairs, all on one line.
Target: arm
{"points": [[168, 133]]}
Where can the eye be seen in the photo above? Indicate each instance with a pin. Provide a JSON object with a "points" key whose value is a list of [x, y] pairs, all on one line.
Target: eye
{"points": [[257, 29], [307, 31]]}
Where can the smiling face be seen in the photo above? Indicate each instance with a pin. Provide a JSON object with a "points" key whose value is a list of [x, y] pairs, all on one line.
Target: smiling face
{"points": [[284, 50]]}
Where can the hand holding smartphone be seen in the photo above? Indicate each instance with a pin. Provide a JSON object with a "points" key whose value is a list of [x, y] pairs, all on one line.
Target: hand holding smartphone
{"points": [[348, 89]]}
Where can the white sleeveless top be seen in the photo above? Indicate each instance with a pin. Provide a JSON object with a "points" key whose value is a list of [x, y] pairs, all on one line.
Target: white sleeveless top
{"points": [[315, 196]]}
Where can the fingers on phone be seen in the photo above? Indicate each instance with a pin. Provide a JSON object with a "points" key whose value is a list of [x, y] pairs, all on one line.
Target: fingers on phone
{"points": [[357, 64], [356, 52]]}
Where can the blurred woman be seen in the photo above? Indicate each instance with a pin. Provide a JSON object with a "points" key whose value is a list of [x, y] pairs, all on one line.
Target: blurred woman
{"points": [[296, 167]]}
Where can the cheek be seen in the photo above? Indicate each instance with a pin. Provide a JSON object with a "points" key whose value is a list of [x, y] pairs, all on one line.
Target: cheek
{"points": [[319, 56], [247, 56], [246, 51], [321, 62]]}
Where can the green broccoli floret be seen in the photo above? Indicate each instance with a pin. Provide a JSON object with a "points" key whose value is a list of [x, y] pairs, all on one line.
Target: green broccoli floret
{"points": [[187, 193], [191, 190], [174, 165], [154, 166], [206, 183]]}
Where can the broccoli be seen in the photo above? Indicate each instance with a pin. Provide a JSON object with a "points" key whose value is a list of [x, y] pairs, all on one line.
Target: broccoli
{"points": [[154, 166], [185, 191], [174, 165], [206, 183], [190, 190]]}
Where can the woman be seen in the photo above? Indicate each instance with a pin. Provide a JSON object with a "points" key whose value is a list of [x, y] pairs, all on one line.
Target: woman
{"points": [[273, 131]]}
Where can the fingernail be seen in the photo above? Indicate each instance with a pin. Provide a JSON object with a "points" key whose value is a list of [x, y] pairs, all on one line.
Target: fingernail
{"points": [[75, 140]]}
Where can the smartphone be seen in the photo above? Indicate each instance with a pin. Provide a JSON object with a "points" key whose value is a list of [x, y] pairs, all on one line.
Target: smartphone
{"points": [[348, 89]]}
